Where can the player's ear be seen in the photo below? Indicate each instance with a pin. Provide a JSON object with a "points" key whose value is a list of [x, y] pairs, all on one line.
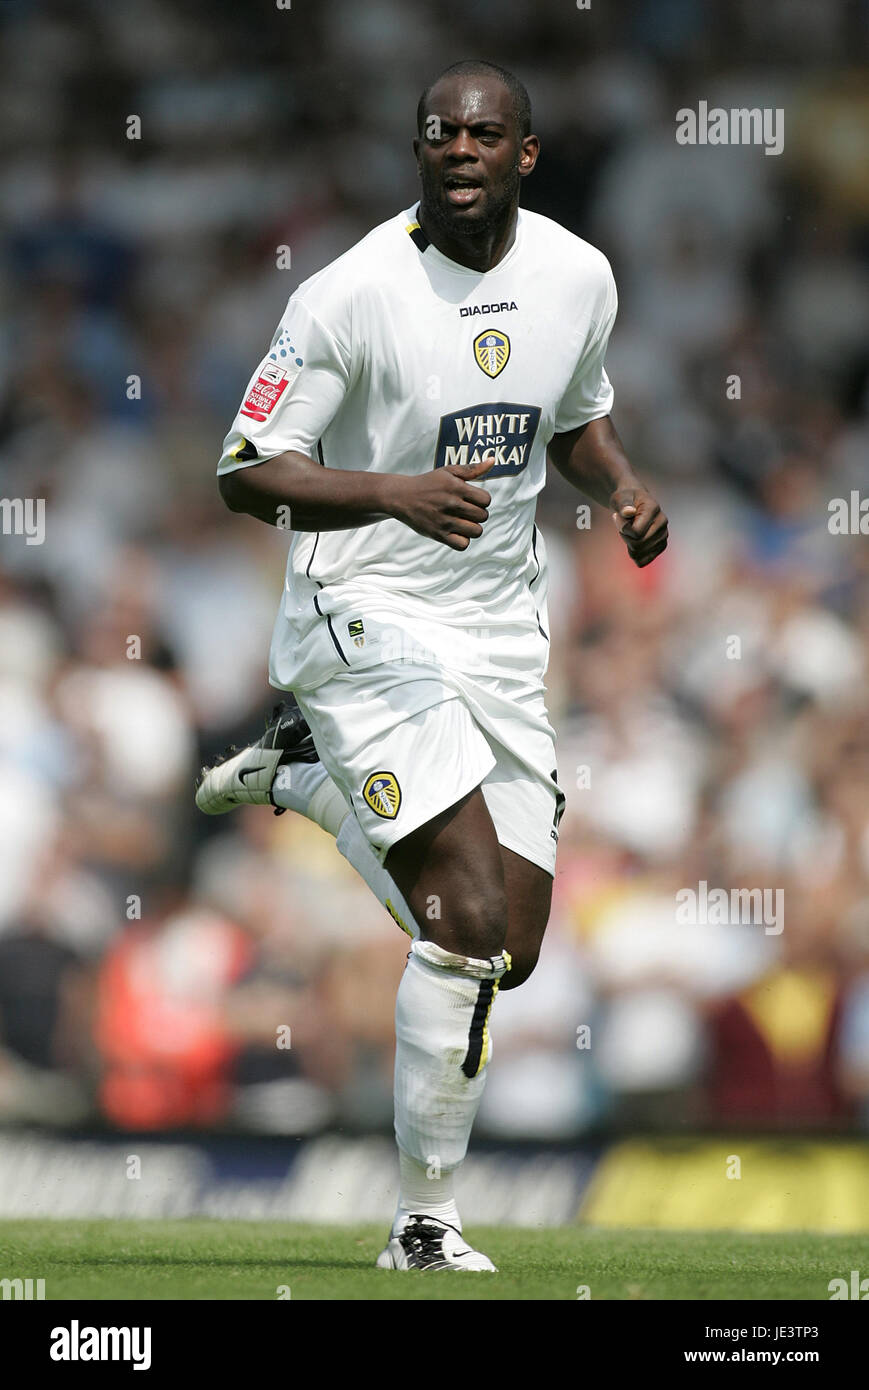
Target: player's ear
{"points": [[528, 154], [416, 155]]}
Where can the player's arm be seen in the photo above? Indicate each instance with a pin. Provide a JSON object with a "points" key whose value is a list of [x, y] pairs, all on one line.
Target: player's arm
{"points": [[440, 504], [592, 459], [317, 498]]}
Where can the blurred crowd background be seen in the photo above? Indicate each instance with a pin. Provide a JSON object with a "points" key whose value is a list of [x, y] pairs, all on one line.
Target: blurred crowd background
{"points": [[148, 955]]}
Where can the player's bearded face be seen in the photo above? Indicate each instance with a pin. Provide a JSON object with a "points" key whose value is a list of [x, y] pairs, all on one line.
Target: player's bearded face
{"points": [[494, 202]]}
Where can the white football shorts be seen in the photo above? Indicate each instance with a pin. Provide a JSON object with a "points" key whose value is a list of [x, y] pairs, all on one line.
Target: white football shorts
{"points": [[409, 715]]}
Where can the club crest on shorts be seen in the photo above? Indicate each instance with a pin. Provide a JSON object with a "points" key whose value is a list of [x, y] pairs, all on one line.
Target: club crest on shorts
{"points": [[383, 794], [491, 351]]}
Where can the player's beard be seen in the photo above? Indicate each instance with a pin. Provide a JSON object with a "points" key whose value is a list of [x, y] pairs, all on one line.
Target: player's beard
{"points": [[500, 204]]}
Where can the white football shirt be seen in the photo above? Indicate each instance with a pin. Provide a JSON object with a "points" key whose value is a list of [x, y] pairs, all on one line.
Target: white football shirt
{"points": [[398, 360]]}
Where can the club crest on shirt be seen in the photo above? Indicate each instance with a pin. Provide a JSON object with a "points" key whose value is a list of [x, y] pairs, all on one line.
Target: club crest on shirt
{"points": [[383, 794], [491, 351]]}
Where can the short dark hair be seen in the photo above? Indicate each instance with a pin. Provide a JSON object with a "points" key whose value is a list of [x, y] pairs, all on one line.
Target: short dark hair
{"points": [[474, 67]]}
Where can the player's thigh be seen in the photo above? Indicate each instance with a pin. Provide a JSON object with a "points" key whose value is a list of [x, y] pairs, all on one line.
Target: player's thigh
{"points": [[450, 870], [529, 899], [409, 758]]}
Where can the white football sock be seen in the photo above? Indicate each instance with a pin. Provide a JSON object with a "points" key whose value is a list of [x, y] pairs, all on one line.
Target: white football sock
{"points": [[308, 789], [421, 1190], [327, 806], [294, 785], [442, 1051]]}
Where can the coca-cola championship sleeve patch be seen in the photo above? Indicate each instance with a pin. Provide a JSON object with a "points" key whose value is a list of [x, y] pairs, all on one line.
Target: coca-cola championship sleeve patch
{"points": [[266, 390], [292, 396]]}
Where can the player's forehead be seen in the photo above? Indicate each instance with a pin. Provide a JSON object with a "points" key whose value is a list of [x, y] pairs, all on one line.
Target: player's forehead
{"points": [[471, 99]]}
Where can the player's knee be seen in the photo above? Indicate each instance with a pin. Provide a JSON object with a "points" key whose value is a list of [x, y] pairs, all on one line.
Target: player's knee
{"points": [[522, 963], [475, 924], [482, 930]]}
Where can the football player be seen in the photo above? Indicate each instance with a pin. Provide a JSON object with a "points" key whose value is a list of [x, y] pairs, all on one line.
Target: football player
{"points": [[399, 425]]}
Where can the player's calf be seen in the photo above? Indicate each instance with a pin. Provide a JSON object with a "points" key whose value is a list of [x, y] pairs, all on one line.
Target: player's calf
{"points": [[442, 1052], [442, 1012]]}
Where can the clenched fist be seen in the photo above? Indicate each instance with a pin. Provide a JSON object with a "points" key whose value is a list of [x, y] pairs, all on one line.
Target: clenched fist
{"points": [[442, 504], [640, 522]]}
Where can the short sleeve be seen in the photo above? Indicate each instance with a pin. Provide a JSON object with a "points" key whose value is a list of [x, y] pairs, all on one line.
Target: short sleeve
{"points": [[589, 394], [292, 396]]}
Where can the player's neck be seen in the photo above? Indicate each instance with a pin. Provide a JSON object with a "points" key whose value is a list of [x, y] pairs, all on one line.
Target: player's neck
{"points": [[475, 252]]}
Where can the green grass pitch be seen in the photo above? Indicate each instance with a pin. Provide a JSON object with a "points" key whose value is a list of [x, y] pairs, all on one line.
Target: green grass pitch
{"points": [[199, 1259]]}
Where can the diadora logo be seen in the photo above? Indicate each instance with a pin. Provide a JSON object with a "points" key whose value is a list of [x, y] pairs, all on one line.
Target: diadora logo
{"points": [[500, 427], [468, 310]]}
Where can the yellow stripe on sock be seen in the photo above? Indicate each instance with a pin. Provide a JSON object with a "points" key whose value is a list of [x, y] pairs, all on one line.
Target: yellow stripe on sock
{"points": [[484, 1055]]}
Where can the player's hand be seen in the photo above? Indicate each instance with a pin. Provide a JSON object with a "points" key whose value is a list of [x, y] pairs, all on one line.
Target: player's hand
{"points": [[443, 505], [640, 522]]}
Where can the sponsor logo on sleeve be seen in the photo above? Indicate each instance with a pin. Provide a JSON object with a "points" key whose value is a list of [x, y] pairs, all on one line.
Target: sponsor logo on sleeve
{"points": [[266, 391]]}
